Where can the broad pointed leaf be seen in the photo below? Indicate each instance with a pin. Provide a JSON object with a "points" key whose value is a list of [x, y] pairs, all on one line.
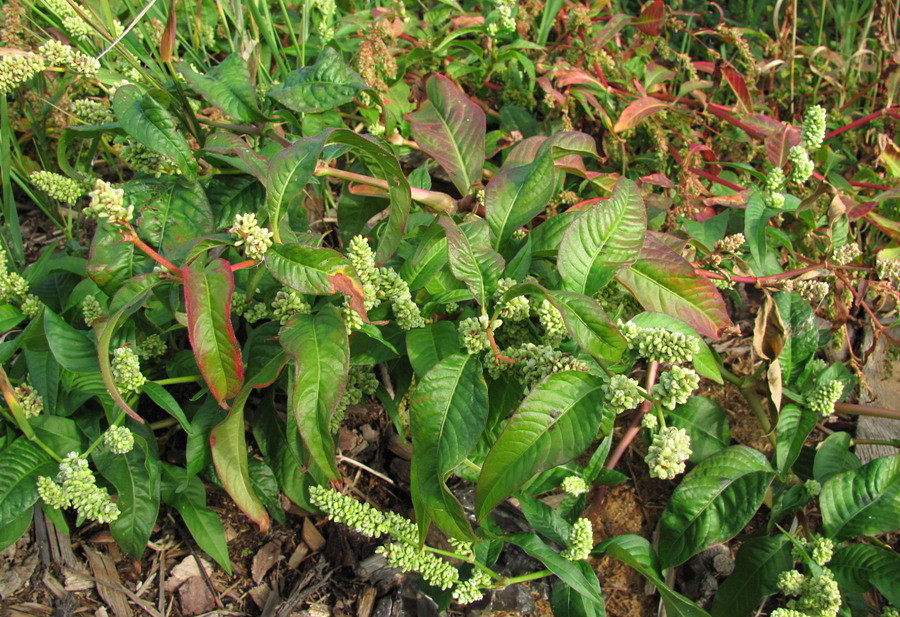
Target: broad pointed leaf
{"points": [[450, 128], [665, 282], [429, 345], [713, 503], [794, 425], [862, 501], [173, 212], [227, 86], [136, 478], [228, 446], [637, 112], [21, 463], [706, 425], [603, 239], [207, 299], [553, 425], [325, 85], [447, 414], [757, 566], [148, 122], [858, 567], [111, 262], [471, 258], [317, 345], [578, 575]]}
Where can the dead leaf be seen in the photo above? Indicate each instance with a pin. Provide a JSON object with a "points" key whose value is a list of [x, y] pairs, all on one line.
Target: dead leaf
{"points": [[768, 331], [109, 584], [312, 537], [264, 559], [186, 569]]}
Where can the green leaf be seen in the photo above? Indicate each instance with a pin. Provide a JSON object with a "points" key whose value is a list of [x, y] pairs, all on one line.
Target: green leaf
{"points": [[704, 362], [577, 575], [227, 86], [713, 503], [429, 257], [327, 84], [757, 566], [229, 454], [637, 553], [291, 169], [516, 194], [858, 567], [447, 413], [429, 345], [794, 425], [207, 299], [471, 258], [15, 529], [603, 239], [801, 337], [167, 402], [706, 425], [265, 485], [136, 478], [756, 217], [587, 323], [553, 425], [546, 237], [20, 465], [148, 122], [173, 212], [315, 270], [833, 456], [317, 346], [72, 348], [665, 282], [450, 128], [111, 262], [565, 600], [862, 501], [187, 495]]}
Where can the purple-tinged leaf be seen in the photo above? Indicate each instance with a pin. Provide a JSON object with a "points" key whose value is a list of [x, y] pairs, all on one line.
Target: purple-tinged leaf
{"points": [[450, 128], [665, 282], [207, 299], [637, 112]]}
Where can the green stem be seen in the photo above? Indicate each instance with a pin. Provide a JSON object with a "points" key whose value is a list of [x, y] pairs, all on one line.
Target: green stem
{"points": [[173, 380], [526, 577], [754, 401], [471, 465], [97, 441], [866, 410]]}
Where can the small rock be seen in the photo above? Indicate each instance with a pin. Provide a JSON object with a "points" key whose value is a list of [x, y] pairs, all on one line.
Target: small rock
{"points": [[186, 569], [195, 597], [515, 598]]}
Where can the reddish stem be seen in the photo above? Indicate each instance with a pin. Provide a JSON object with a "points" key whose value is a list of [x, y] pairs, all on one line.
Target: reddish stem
{"points": [[888, 111], [249, 263], [627, 437], [129, 235], [759, 279]]}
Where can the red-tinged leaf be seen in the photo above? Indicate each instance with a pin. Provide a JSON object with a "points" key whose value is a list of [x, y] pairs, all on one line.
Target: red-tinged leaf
{"points": [[167, 40], [860, 210], [207, 299], [316, 270], [665, 282], [658, 180], [611, 29], [450, 128], [888, 226], [229, 454], [762, 125], [577, 77], [229, 145], [739, 87], [652, 18], [733, 200], [638, 111], [779, 144], [471, 258], [318, 348]]}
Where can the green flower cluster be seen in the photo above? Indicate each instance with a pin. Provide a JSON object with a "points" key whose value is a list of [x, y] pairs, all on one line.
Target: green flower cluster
{"points": [[888, 270], [580, 542], [552, 322], [670, 448], [814, 596], [659, 344], [381, 284], [361, 517], [622, 393], [247, 232], [31, 402], [119, 439], [361, 381], [71, 20], [288, 303], [126, 369], [473, 588], [58, 187], [676, 386], [76, 487], [890, 611], [812, 487], [775, 183], [473, 331], [802, 166], [13, 287], [108, 202], [256, 311], [811, 290], [16, 69], [812, 131], [575, 486], [91, 309], [153, 346], [92, 111], [516, 309], [61, 55], [730, 244], [846, 253], [506, 21], [535, 362], [31, 304], [141, 158], [407, 558], [822, 399], [650, 421]]}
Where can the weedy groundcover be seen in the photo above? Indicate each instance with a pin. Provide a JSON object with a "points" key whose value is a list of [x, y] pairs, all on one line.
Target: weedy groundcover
{"points": [[270, 215]]}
